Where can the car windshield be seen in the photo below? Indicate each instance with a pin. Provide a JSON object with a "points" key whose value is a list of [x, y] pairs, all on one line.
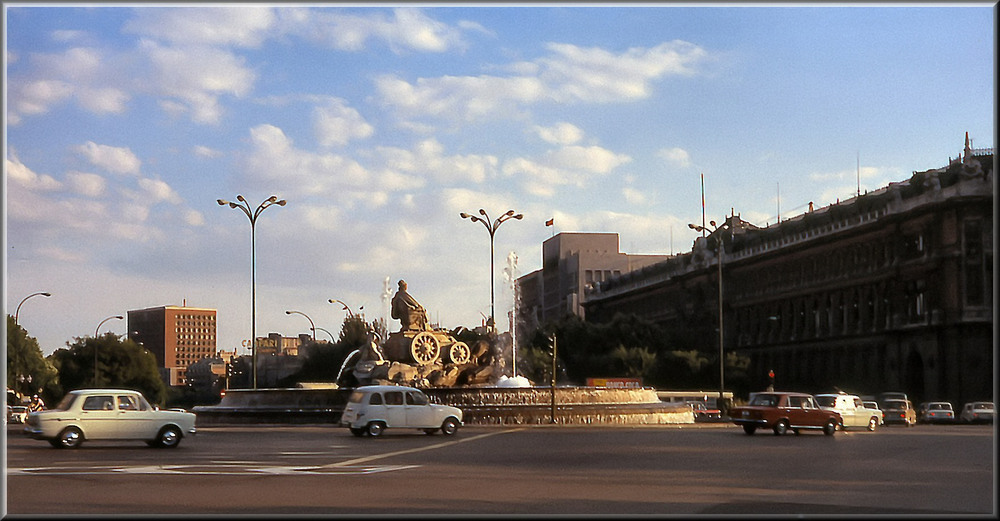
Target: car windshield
{"points": [[984, 405], [66, 402]]}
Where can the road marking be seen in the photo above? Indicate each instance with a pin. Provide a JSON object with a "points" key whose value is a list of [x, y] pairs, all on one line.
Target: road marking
{"points": [[203, 470], [449, 443]]}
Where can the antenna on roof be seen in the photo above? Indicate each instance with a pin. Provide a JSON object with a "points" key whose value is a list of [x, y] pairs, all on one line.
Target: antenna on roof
{"points": [[859, 173]]}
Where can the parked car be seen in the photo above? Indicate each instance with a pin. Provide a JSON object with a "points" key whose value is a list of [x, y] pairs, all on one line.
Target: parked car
{"points": [[372, 409], [899, 411], [851, 409], [702, 413], [872, 404], [109, 414], [16, 413], [978, 412], [782, 411], [935, 412]]}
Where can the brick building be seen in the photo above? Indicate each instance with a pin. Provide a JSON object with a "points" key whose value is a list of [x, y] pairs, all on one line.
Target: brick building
{"points": [[178, 336]]}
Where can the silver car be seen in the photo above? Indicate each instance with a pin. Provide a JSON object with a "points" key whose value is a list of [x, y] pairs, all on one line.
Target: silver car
{"points": [[373, 408], [109, 414]]}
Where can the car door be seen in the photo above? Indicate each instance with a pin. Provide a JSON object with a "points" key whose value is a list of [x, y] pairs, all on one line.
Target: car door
{"points": [[134, 420], [98, 416], [395, 409], [419, 413]]}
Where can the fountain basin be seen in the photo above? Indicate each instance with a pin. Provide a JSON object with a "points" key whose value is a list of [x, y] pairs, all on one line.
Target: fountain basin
{"points": [[480, 405]]}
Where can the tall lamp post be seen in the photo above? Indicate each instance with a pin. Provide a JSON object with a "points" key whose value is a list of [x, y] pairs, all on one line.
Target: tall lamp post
{"points": [[492, 228], [716, 233], [97, 332], [16, 358], [311, 323], [252, 215]]}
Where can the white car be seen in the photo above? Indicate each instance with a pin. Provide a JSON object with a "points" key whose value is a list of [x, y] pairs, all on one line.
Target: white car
{"points": [[109, 414], [372, 409], [978, 412], [16, 413], [871, 404], [851, 409]]}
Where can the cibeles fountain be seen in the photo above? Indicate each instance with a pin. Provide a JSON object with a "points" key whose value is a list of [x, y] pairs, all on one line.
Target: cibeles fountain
{"points": [[471, 377]]}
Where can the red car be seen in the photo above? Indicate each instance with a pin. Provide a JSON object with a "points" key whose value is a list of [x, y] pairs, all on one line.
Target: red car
{"points": [[784, 411]]}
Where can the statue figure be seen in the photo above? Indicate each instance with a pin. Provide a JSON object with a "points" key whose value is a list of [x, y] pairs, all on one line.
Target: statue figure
{"points": [[408, 311]]}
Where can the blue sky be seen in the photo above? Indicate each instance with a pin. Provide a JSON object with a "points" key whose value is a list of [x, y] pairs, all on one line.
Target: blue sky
{"points": [[379, 125]]}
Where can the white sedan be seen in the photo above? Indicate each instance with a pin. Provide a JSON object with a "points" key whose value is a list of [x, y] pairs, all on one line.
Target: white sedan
{"points": [[109, 414], [372, 409]]}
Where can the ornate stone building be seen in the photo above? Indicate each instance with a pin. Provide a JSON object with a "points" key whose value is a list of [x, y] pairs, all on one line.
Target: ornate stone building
{"points": [[890, 290]]}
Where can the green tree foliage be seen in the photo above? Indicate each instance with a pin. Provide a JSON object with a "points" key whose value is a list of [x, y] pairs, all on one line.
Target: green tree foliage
{"points": [[354, 332], [635, 362], [25, 359], [120, 364]]}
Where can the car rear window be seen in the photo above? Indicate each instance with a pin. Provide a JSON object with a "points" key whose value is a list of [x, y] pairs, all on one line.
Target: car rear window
{"points": [[826, 401], [356, 397], [766, 400]]}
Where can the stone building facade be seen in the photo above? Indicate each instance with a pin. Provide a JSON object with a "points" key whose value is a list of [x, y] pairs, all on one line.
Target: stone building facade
{"points": [[890, 290]]}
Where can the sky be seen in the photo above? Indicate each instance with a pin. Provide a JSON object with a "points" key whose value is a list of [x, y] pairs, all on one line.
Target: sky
{"points": [[379, 125]]}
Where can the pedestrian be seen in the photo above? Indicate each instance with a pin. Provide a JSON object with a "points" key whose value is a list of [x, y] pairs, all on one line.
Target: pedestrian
{"points": [[36, 404]]}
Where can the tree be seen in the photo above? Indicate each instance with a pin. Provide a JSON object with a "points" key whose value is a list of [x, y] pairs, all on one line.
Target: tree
{"points": [[121, 364], [25, 360], [636, 362]]}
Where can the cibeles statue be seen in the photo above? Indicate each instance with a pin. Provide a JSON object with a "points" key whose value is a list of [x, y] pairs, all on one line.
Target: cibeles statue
{"points": [[410, 314]]}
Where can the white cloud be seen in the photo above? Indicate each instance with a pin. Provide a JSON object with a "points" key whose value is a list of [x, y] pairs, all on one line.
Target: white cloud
{"points": [[428, 160], [560, 134], [634, 196], [155, 191], [676, 156], [243, 26], [203, 151], [90, 185], [407, 29], [118, 160], [336, 123], [274, 161], [568, 74], [194, 77], [193, 218], [20, 174]]}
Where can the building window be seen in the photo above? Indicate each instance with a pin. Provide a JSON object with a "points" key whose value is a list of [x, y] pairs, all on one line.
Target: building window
{"points": [[972, 255]]}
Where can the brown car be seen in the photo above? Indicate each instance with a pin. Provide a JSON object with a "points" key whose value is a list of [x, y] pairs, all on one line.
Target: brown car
{"points": [[784, 411]]}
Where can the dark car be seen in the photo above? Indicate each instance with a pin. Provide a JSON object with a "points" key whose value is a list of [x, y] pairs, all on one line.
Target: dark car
{"points": [[784, 411]]}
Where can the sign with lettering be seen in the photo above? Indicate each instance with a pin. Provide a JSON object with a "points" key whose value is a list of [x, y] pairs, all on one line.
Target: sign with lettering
{"points": [[615, 383]]}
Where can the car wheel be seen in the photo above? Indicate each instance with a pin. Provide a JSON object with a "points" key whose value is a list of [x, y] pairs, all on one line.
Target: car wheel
{"points": [[872, 423], [375, 429], [169, 437], [449, 427], [830, 428], [749, 429], [70, 438], [357, 432], [781, 427]]}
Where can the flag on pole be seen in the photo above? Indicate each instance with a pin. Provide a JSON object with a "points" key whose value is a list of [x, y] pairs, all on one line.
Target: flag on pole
{"points": [[550, 222]]}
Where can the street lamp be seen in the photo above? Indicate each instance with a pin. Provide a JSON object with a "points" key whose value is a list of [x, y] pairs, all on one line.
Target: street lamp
{"points": [[245, 207], [347, 309], [492, 228], [311, 323], [16, 352], [333, 340], [96, 332], [716, 233]]}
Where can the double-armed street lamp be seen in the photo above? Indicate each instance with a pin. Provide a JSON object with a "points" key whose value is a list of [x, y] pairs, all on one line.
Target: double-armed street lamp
{"points": [[716, 233], [17, 312], [97, 332], [311, 323], [252, 215], [492, 228]]}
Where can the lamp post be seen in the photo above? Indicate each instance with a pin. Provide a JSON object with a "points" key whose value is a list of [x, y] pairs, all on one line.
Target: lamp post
{"points": [[333, 340], [716, 233], [16, 358], [492, 228], [347, 309], [252, 215], [311, 323], [96, 332]]}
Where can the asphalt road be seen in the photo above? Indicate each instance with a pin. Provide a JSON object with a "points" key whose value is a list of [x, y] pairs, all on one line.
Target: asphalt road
{"points": [[661, 470]]}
